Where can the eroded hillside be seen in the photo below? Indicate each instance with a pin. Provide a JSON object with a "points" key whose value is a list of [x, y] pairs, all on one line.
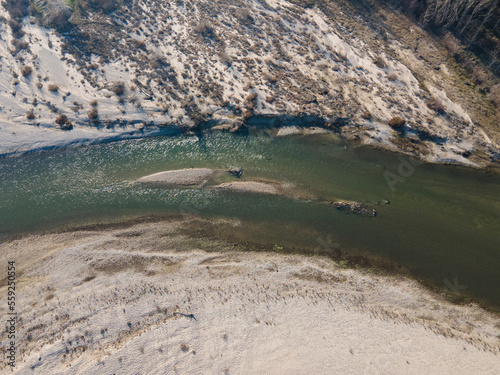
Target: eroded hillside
{"points": [[158, 66]]}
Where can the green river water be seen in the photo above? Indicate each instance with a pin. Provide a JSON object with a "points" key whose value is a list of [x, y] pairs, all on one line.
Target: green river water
{"points": [[442, 223]]}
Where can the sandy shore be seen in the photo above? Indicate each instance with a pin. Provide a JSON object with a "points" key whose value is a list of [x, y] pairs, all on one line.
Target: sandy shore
{"points": [[204, 177], [183, 177], [119, 301], [252, 187]]}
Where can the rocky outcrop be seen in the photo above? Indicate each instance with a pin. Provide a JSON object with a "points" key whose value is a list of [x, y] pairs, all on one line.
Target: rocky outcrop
{"points": [[235, 171], [354, 207]]}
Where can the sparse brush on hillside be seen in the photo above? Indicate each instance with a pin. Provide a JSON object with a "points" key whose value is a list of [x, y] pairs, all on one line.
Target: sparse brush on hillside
{"points": [[475, 22], [17, 8]]}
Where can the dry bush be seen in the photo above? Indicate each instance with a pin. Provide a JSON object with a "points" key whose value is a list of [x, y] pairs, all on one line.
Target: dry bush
{"points": [[205, 29], [17, 8], [452, 44], [26, 70], [479, 76], [225, 59], [380, 62], [339, 56], [250, 101], [93, 103], [139, 44], [304, 3], [106, 6], [494, 95], [118, 88], [436, 105], [244, 16], [93, 114], [63, 122], [30, 115], [57, 14], [251, 97], [392, 77], [271, 78], [61, 119], [52, 87], [270, 99], [396, 122], [366, 115]]}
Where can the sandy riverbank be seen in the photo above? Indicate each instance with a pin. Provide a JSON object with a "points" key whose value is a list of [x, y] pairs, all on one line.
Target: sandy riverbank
{"points": [[108, 301], [182, 177]]}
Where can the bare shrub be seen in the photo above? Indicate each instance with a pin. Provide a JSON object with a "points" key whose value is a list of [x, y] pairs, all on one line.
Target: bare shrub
{"points": [[340, 56], [436, 105], [57, 15], [494, 95], [380, 62], [17, 8], [479, 76], [366, 115], [271, 78], [251, 97], [139, 44], [244, 16], [52, 87], [93, 103], [26, 70], [225, 59], [106, 6], [392, 77], [250, 101], [452, 44], [270, 99], [63, 122], [205, 29], [30, 115], [396, 122], [118, 88], [93, 114], [61, 119]]}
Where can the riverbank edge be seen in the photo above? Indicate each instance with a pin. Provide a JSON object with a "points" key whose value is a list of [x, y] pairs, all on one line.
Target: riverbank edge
{"points": [[341, 127], [204, 230]]}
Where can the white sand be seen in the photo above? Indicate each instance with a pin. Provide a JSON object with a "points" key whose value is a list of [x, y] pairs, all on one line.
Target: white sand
{"points": [[185, 177], [252, 187], [103, 302]]}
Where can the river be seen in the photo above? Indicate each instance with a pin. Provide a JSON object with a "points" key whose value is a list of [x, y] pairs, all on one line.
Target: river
{"points": [[440, 222]]}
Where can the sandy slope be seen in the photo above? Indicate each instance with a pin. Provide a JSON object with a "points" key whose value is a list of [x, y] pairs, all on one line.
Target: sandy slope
{"points": [[104, 302], [283, 60]]}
